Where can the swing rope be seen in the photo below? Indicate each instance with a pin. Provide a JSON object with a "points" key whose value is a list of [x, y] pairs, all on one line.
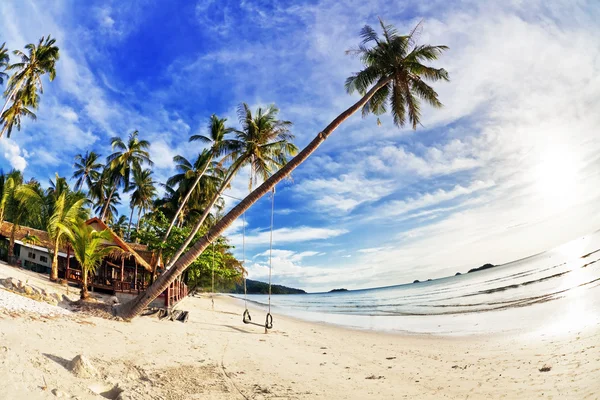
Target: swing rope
{"points": [[212, 290], [271, 246], [269, 318], [244, 261]]}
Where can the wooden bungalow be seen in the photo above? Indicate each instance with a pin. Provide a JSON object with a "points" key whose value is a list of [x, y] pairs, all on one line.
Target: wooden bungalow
{"points": [[124, 274]]}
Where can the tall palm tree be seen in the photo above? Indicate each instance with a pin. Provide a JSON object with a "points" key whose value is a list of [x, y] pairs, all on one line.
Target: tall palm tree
{"points": [[198, 181], [67, 213], [4, 59], [17, 202], [387, 60], [143, 194], [263, 143], [58, 186], [127, 157], [26, 80], [89, 249], [109, 209], [87, 169], [119, 227], [218, 146]]}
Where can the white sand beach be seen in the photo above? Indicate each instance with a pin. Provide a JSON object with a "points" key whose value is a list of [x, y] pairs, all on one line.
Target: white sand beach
{"points": [[215, 356]]}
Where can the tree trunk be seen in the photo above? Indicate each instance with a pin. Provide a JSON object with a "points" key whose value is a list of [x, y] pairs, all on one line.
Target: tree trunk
{"points": [[54, 270], [84, 287], [83, 178], [129, 227], [11, 245], [198, 225], [137, 225], [184, 201], [8, 98], [137, 305], [103, 216]]}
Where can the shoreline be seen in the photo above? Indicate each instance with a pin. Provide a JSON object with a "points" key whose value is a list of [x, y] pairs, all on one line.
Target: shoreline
{"points": [[215, 356]]}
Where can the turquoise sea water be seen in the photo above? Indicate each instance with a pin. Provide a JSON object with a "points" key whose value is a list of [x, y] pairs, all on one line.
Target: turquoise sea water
{"points": [[555, 291]]}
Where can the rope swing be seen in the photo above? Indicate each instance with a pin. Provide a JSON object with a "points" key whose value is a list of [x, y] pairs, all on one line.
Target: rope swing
{"points": [[246, 317], [212, 290]]}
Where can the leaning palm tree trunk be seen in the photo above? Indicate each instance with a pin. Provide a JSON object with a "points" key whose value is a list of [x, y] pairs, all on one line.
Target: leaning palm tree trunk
{"points": [[112, 192], [209, 206], [137, 305], [130, 218]]}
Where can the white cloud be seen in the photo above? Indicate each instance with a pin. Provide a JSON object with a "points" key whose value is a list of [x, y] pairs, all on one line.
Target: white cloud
{"points": [[345, 193], [13, 154], [398, 207], [288, 235], [288, 254]]}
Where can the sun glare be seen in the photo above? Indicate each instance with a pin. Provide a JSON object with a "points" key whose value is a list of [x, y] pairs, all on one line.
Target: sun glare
{"points": [[555, 177]]}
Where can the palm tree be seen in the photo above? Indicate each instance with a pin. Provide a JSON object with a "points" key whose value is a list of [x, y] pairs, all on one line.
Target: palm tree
{"points": [[66, 214], [119, 227], [57, 187], [17, 202], [11, 118], [196, 180], [143, 194], [388, 60], [263, 143], [219, 146], [109, 209], [127, 157], [89, 249], [4, 59], [87, 169], [26, 80]]}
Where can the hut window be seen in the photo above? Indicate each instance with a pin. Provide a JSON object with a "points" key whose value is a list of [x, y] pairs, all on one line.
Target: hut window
{"points": [[43, 259], [31, 255]]}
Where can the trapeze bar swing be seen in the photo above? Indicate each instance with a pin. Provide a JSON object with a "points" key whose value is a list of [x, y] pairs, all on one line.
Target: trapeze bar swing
{"points": [[246, 318]]}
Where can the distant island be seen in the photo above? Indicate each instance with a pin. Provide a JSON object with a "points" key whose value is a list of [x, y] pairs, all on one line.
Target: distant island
{"points": [[338, 290], [257, 287], [483, 267], [486, 266]]}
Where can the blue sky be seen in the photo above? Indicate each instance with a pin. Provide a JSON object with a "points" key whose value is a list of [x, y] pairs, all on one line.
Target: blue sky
{"points": [[509, 167]]}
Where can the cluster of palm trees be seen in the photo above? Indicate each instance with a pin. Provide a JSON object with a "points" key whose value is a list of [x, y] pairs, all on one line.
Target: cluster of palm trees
{"points": [[24, 84], [193, 196], [56, 209], [125, 169]]}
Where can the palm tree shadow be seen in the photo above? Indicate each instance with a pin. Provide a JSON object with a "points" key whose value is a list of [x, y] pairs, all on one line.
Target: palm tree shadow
{"points": [[63, 362]]}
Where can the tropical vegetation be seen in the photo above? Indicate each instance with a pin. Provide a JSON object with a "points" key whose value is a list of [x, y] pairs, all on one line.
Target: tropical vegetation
{"points": [[186, 222]]}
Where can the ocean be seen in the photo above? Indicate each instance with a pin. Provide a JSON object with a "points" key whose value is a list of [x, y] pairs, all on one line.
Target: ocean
{"points": [[553, 292]]}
